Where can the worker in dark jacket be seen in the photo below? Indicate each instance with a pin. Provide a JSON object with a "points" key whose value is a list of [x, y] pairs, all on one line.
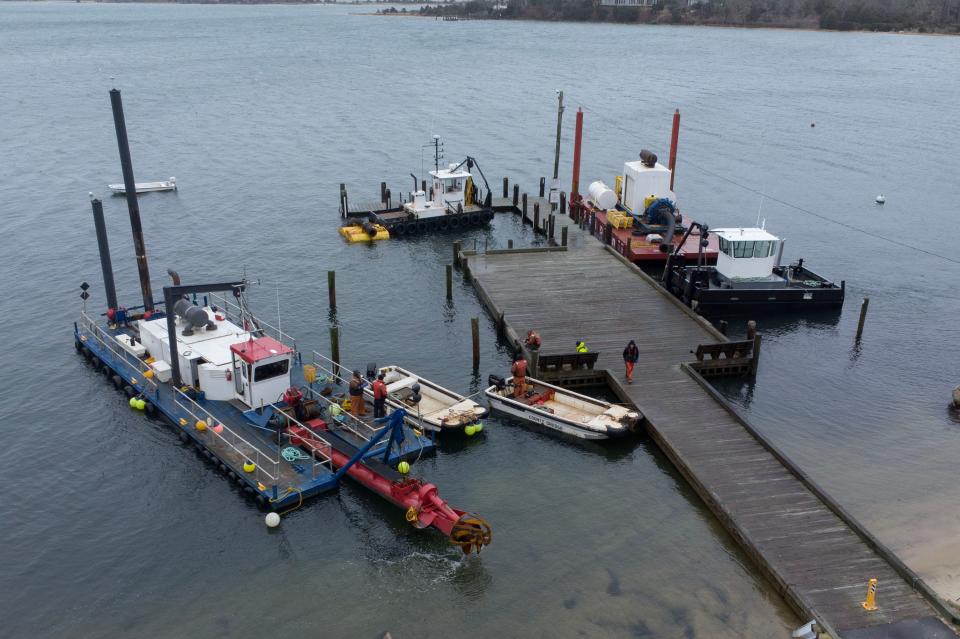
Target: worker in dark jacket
{"points": [[630, 356], [519, 372], [357, 407], [379, 397]]}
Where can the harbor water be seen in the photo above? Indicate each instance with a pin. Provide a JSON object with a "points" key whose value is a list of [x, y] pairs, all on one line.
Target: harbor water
{"points": [[112, 528]]}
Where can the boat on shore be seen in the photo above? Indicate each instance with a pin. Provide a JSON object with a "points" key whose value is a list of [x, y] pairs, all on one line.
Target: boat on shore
{"points": [[748, 276], [562, 410], [438, 409], [146, 187]]}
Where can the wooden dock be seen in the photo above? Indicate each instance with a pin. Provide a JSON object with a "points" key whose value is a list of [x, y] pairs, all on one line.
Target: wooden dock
{"points": [[817, 556]]}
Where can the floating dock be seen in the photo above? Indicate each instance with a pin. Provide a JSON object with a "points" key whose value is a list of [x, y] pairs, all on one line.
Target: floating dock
{"points": [[817, 556]]}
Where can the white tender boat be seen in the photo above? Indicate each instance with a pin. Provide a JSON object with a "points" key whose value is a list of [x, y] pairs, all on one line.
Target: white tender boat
{"points": [[562, 410], [440, 410], [146, 187]]}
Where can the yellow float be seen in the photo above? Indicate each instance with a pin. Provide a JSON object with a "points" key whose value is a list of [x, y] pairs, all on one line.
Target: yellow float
{"points": [[365, 232]]}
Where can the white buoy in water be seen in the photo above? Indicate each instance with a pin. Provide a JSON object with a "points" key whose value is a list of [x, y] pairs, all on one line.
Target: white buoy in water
{"points": [[881, 199], [272, 519]]}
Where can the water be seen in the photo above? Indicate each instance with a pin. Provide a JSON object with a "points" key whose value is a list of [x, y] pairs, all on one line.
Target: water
{"points": [[113, 529]]}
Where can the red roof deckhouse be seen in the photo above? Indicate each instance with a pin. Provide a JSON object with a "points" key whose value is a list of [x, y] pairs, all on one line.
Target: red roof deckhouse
{"points": [[259, 349]]}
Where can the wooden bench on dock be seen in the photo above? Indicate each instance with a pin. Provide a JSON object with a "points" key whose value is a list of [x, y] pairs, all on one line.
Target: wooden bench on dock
{"points": [[725, 358], [567, 362]]}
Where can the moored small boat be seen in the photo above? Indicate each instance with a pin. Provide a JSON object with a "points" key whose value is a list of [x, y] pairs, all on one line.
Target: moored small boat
{"points": [[146, 187], [438, 409], [561, 409]]}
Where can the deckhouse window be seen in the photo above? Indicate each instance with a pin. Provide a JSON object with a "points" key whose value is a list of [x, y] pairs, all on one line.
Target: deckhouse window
{"points": [[743, 249], [269, 371]]}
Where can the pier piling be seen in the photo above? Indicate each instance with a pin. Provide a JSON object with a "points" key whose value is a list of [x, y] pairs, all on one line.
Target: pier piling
{"points": [[563, 203], [543, 185], [332, 288], [523, 209], [536, 216], [516, 194], [751, 329], [563, 236], [509, 244], [475, 333], [506, 188], [863, 317], [449, 281], [457, 247]]}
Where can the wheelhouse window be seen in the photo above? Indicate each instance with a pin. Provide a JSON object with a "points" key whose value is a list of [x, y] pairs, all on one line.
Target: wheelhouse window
{"points": [[743, 249], [269, 371]]}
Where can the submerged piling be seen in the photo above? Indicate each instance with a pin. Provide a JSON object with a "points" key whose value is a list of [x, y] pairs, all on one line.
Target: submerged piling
{"points": [[863, 317], [332, 288], [335, 349], [475, 333]]}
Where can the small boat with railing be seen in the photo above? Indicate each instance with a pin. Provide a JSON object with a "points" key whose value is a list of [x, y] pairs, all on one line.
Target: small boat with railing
{"points": [[436, 408], [560, 409], [146, 187]]}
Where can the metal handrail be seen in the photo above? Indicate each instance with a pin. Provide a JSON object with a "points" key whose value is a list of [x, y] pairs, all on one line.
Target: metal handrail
{"points": [[326, 461], [102, 336], [261, 459], [362, 429], [233, 311]]}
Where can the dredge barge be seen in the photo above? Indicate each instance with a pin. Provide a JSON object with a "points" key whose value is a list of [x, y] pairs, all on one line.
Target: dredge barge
{"points": [[239, 392]]}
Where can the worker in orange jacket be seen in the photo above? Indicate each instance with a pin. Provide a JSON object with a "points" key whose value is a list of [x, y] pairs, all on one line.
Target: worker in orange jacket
{"points": [[519, 372], [379, 397]]}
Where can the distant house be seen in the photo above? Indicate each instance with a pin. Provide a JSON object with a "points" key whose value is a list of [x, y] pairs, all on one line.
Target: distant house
{"points": [[626, 3]]}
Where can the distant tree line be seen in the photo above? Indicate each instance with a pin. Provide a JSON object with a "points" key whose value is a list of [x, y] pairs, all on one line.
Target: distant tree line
{"points": [[941, 16]]}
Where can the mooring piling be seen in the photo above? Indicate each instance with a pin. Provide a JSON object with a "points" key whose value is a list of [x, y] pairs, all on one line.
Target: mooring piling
{"points": [[543, 185], [536, 216], [751, 329], [509, 244], [516, 194], [335, 349], [563, 202], [563, 236], [449, 281], [523, 209], [457, 247], [863, 317], [475, 333], [506, 187], [332, 288]]}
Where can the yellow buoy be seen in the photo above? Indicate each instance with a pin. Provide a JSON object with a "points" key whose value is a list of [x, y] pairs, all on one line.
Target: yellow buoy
{"points": [[141, 404], [133, 402], [148, 374], [403, 467], [478, 427], [470, 430], [249, 466], [201, 425]]}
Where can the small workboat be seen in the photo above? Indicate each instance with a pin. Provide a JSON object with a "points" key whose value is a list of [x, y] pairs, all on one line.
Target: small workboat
{"points": [[561, 409], [438, 409], [146, 187]]}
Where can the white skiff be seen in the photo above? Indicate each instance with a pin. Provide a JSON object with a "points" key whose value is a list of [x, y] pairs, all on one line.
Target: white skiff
{"points": [[561, 409], [147, 187], [439, 409]]}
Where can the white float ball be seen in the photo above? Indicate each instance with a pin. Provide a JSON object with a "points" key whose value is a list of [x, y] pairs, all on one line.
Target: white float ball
{"points": [[272, 519]]}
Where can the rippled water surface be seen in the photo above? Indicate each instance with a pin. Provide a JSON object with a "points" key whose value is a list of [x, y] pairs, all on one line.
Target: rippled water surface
{"points": [[112, 528]]}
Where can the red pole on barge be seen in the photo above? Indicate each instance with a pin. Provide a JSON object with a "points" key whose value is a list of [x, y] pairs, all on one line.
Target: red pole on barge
{"points": [[673, 146], [575, 183]]}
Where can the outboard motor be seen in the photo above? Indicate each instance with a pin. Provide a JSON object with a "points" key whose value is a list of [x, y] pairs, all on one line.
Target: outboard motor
{"points": [[497, 381], [371, 371]]}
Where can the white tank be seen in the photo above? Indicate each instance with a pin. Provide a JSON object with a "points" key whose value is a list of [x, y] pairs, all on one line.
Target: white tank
{"points": [[602, 195]]}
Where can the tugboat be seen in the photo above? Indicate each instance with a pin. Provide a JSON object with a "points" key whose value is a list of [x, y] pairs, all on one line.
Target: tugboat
{"points": [[748, 277], [639, 217], [454, 202]]}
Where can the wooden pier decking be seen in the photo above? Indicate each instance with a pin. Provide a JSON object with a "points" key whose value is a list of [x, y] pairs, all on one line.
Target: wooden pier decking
{"points": [[817, 556]]}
